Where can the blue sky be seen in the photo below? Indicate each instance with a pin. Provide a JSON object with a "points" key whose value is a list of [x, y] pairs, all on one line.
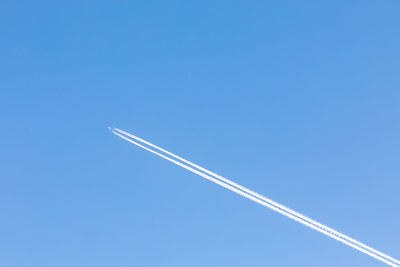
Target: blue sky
{"points": [[299, 101]]}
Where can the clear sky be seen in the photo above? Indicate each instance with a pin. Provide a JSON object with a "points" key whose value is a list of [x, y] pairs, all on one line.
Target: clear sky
{"points": [[297, 100]]}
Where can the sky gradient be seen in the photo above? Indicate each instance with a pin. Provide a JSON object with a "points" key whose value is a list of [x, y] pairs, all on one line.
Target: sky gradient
{"points": [[299, 101]]}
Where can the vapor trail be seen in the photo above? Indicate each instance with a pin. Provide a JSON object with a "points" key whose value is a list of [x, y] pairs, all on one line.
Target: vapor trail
{"points": [[271, 202], [243, 191]]}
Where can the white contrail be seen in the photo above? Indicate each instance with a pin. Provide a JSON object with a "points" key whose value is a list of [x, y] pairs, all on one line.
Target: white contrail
{"points": [[260, 199]]}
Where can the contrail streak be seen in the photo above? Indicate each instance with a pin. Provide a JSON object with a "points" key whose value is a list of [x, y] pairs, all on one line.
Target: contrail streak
{"points": [[243, 191]]}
